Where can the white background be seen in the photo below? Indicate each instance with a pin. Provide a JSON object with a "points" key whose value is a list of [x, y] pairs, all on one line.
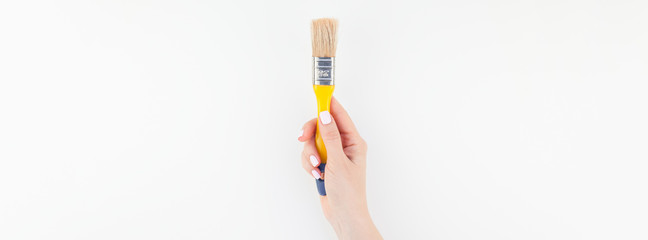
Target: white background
{"points": [[179, 119]]}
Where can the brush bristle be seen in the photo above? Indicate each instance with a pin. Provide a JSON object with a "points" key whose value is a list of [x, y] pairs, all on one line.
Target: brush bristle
{"points": [[324, 37]]}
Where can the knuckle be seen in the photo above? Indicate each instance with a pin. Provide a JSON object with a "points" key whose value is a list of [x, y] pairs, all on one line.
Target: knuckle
{"points": [[332, 135], [304, 156], [363, 143], [306, 165]]}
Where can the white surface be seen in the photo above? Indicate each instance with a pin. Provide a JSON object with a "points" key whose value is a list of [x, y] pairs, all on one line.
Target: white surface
{"points": [[177, 120]]}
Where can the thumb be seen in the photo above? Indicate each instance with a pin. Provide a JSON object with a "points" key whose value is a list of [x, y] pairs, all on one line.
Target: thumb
{"points": [[330, 135]]}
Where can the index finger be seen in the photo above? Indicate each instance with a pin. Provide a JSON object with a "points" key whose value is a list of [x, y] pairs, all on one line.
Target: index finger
{"points": [[343, 120]]}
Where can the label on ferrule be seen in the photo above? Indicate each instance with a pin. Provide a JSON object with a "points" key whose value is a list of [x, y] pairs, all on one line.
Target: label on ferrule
{"points": [[323, 70]]}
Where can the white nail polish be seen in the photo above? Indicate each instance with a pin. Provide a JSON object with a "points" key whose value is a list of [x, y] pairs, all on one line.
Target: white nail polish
{"points": [[301, 132], [313, 160], [325, 117], [316, 174]]}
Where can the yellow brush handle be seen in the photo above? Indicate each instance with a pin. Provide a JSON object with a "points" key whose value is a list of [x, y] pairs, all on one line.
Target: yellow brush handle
{"points": [[323, 94]]}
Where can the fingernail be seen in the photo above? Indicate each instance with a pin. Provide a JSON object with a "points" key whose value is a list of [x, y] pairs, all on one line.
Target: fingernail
{"points": [[301, 133], [316, 174], [313, 160], [325, 117]]}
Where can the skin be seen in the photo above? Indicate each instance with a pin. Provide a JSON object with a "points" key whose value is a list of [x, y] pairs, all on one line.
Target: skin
{"points": [[345, 206]]}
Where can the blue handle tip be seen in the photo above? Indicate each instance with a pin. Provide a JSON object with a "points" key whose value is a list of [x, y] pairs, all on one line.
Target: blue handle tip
{"points": [[320, 182]]}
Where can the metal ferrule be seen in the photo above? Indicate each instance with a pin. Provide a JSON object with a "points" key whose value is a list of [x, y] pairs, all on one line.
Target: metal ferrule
{"points": [[323, 71]]}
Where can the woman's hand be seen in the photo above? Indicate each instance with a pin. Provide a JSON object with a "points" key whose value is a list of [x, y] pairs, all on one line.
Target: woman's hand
{"points": [[345, 205]]}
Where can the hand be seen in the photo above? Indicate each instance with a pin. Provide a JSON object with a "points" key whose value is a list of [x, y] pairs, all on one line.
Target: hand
{"points": [[345, 205]]}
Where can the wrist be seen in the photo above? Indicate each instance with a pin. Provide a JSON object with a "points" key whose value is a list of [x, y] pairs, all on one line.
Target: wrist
{"points": [[356, 225]]}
